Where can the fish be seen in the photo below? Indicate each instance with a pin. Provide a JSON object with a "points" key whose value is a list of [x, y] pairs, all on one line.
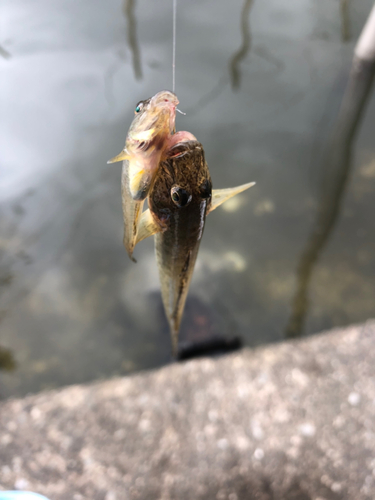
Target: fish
{"points": [[148, 137], [179, 200]]}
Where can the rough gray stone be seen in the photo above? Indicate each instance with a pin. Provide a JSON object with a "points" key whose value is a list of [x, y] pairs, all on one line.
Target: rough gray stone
{"points": [[294, 421]]}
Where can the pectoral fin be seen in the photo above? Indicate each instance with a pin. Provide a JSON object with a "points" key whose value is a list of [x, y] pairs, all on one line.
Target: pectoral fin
{"points": [[220, 196], [124, 155], [147, 226], [140, 181], [143, 135]]}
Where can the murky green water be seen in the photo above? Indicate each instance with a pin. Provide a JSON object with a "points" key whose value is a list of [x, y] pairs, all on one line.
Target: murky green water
{"points": [[261, 83]]}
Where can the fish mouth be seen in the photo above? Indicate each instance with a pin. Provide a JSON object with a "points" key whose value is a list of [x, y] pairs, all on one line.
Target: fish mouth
{"points": [[169, 101], [165, 98]]}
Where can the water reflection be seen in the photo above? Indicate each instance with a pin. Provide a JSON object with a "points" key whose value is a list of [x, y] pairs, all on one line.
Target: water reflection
{"points": [[209, 96], [234, 64], [76, 310], [336, 167], [345, 20], [128, 9], [4, 53], [7, 361], [274, 62]]}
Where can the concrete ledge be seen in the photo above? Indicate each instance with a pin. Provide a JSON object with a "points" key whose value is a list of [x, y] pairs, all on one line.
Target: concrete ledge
{"points": [[293, 421]]}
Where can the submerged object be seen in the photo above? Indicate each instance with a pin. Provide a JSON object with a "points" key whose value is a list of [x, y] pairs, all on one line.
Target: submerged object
{"points": [[147, 139], [179, 201]]}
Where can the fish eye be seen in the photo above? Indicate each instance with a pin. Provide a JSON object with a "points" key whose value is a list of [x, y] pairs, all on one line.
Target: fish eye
{"points": [[206, 189], [139, 107], [180, 197]]}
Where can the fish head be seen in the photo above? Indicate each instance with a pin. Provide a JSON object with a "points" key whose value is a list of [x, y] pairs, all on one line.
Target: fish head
{"points": [[153, 123], [166, 103], [183, 185], [147, 139]]}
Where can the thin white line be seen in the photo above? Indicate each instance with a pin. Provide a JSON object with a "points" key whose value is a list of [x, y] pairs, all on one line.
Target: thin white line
{"points": [[202, 221], [174, 46]]}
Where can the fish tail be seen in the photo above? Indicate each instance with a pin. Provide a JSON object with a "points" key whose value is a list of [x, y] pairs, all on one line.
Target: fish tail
{"points": [[174, 338]]}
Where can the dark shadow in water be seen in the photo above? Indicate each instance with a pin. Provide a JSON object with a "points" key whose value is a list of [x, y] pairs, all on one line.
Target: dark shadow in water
{"points": [[202, 331], [214, 346], [345, 21], [235, 74], [210, 96], [128, 9], [7, 361], [234, 70], [336, 168], [4, 53], [235, 60], [264, 53]]}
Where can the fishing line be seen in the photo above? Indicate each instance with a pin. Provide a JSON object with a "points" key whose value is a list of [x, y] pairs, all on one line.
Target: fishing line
{"points": [[174, 52], [174, 46]]}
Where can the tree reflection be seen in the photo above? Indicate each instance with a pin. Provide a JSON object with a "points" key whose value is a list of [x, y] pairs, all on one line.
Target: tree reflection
{"points": [[336, 167], [234, 64], [128, 9], [345, 21]]}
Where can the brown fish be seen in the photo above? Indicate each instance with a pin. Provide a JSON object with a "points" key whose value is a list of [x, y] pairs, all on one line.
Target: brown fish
{"points": [[147, 139], [179, 201]]}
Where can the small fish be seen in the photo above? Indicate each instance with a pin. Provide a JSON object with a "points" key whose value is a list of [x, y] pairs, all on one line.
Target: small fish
{"points": [[179, 201], [147, 139]]}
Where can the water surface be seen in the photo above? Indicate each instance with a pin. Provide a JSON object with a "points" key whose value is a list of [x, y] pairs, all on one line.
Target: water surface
{"points": [[261, 83]]}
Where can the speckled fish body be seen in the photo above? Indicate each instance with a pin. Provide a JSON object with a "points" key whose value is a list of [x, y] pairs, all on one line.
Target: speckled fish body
{"points": [[148, 138], [179, 201]]}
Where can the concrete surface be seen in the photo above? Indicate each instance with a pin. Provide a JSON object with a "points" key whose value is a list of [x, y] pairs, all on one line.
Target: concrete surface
{"points": [[294, 421]]}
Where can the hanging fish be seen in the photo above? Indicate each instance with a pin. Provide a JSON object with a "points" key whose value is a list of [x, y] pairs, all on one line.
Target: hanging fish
{"points": [[179, 201], [147, 139]]}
